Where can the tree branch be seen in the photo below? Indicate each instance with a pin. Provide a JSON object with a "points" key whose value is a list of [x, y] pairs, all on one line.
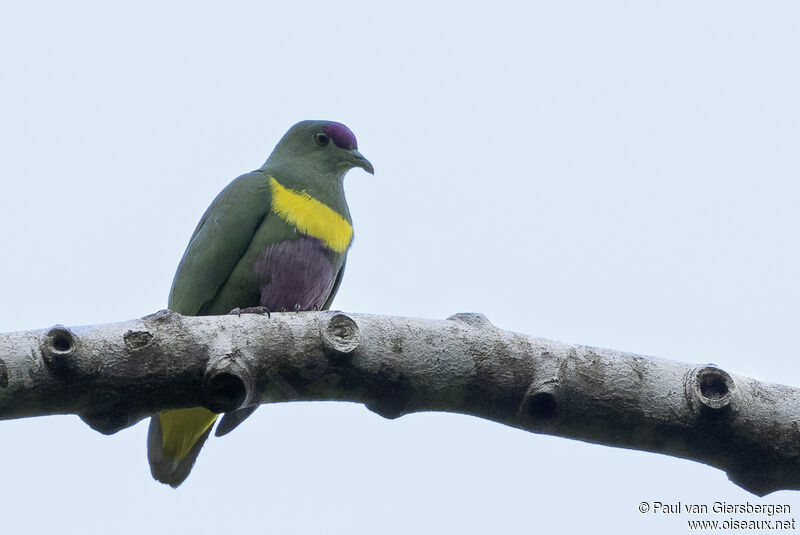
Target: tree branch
{"points": [[114, 375]]}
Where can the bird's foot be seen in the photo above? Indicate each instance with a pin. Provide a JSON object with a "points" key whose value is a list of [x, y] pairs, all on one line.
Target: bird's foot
{"points": [[250, 310]]}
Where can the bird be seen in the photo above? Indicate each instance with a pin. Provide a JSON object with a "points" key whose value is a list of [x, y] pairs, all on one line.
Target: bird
{"points": [[273, 240]]}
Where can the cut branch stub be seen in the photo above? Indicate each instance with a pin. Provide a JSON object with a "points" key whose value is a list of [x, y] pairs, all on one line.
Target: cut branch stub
{"points": [[58, 346], [340, 335], [137, 340], [228, 384], [473, 319], [540, 406], [712, 388]]}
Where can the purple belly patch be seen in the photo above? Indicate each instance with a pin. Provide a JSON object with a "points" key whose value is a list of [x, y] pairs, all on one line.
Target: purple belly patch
{"points": [[294, 275]]}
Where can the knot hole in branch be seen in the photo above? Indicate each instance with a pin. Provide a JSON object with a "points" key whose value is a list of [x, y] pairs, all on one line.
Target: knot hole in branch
{"points": [[713, 388], [228, 384], [58, 345], [224, 392], [540, 406]]}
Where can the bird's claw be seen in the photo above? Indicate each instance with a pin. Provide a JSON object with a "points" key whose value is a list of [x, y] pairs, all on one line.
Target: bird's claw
{"points": [[250, 310]]}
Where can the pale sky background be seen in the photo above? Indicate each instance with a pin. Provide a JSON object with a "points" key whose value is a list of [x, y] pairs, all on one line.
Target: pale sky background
{"points": [[619, 174]]}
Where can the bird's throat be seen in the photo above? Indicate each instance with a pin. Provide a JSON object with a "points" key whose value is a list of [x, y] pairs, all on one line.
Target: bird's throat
{"points": [[310, 216]]}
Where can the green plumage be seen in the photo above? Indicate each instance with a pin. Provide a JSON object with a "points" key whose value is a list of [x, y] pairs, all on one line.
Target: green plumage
{"points": [[221, 239], [247, 252]]}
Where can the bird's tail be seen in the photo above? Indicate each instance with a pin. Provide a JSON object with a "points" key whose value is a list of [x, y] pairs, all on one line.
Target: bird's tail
{"points": [[174, 441]]}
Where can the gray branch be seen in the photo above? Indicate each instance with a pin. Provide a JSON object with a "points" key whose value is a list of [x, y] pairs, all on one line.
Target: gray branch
{"points": [[114, 375]]}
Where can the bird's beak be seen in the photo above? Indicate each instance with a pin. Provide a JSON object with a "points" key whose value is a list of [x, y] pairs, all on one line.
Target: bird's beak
{"points": [[358, 160]]}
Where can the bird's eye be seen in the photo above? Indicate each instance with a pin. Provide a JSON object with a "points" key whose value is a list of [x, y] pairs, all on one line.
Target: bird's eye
{"points": [[322, 138]]}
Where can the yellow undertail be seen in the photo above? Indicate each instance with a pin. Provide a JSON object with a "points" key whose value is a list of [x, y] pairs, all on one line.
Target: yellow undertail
{"points": [[180, 429]]}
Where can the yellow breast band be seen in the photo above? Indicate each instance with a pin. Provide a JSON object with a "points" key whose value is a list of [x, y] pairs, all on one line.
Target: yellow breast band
{"points": [[311, 217]]}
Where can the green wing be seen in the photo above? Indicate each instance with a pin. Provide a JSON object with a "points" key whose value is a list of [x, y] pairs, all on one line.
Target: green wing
{"points": [[218, 243], [335, 288]]}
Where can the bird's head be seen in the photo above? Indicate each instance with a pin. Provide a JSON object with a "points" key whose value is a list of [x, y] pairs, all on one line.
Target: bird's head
{"points": [[320, 148]]}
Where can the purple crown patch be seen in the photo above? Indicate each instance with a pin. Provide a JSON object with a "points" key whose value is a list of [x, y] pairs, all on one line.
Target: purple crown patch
{"points": [[341, 135]]}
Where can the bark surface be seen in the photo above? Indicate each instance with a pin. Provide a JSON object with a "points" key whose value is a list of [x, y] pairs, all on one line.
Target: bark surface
{"points": [[116, 374]]}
